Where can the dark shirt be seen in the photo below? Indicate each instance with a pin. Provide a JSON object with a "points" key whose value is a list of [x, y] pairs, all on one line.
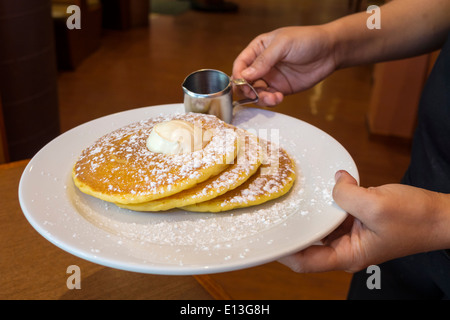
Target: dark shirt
{"points": [[430, 156]]}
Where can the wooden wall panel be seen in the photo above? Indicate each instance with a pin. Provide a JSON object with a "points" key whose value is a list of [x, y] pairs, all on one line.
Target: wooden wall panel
{"points": [[395, 97]]}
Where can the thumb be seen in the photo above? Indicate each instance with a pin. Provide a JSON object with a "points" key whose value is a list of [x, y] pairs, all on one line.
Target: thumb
{"points": [[349, 196]]}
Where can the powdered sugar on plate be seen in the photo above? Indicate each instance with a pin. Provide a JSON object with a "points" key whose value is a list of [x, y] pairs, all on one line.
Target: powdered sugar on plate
{"points": [[180, 228]]}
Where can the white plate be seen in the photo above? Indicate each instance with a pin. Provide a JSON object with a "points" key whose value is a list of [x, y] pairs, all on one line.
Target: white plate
{"points": [[179, 242]]}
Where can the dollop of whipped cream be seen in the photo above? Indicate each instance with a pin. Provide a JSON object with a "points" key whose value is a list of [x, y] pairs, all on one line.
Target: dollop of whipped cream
{"points": [[177, 136]]}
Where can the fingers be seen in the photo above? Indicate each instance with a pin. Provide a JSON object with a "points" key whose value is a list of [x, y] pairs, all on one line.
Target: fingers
{"points": [[250, 62], [256, 63], [268, 97], [258, 58], [263, 63], [312, 259]]}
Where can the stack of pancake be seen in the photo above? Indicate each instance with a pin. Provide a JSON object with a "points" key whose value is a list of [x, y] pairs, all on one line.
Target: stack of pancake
{"points": [[232, 169]]}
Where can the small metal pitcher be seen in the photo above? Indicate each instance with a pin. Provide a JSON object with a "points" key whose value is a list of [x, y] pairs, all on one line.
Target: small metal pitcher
{"points": [[210, 91]]}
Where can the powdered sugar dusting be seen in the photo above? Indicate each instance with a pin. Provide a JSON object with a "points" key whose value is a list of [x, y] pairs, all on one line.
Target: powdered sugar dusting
{"points": [[275, 174], [119, 163], [179, 228]]}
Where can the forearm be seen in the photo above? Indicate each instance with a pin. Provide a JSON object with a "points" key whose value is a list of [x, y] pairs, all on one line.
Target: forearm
{"points": [[442, 213], [408, 28]]}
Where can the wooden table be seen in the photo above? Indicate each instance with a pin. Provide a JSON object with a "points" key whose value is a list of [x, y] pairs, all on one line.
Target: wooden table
{"points": [[33, 268]]}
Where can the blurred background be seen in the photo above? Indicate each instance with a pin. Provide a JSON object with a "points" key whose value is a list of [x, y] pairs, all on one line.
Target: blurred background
{"points": [[135, 53]]}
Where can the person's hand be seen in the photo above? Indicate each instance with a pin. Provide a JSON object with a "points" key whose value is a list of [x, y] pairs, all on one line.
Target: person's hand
{"points": [[385, 222], [285, 61]]}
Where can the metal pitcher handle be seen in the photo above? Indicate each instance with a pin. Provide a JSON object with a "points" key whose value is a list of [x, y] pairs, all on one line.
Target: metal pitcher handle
{"points": [[243, 82]]}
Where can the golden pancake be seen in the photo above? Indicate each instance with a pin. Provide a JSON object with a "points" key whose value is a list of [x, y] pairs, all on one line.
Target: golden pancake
{"points": [[245, 165], [120, 168], [274, 178]]}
